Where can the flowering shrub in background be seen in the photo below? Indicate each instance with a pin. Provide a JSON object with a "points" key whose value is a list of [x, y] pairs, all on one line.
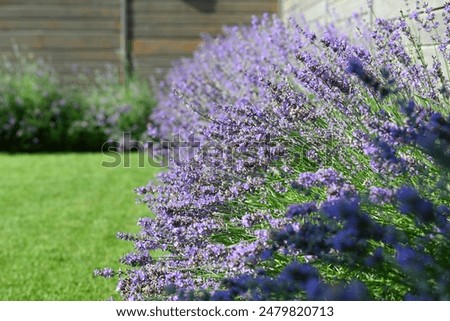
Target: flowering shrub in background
{"points": [[115, 107], [34, 112], [37, 113], [308, 150]]}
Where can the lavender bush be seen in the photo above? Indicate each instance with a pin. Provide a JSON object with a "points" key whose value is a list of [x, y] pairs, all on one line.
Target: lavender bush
{"points": [[273, 117], [38, 114], [34, 112], [403, 255], [115, 107]]}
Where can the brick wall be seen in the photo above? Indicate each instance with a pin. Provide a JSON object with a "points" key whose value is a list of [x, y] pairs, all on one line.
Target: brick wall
{"points": [[341, 10]]}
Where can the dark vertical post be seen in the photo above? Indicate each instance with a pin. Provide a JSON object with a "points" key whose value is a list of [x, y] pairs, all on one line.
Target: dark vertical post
{"points": [[125, 40]]}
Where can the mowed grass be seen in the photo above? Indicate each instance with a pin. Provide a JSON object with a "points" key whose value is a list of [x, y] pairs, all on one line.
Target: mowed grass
{"points": [[59, 214]]}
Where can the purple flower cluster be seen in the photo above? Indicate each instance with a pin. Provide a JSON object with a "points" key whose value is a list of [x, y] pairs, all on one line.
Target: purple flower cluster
{"points": [[340, 233], [329, 178], [277, 116], [345, 236], [296, 278]]}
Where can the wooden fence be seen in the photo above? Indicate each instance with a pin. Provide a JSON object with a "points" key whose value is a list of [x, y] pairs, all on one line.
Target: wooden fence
{"points": [[163, 30], [67, 33], [145, 35]]}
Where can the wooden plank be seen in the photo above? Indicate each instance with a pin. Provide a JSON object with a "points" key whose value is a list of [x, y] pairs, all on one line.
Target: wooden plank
{"points": [[47, 11], [157, 60], [83, 64], [61, 2], [152, 72], [56, 32], [200, 1], [158, 31], [60, 24], [163, 46], [149, 70], [180, 19], [60, 41], [251, 7]]}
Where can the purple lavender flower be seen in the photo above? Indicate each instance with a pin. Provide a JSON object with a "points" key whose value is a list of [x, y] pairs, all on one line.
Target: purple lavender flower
{"points": [[412, 203], [301, 209], [106, 273], [380, 195]]}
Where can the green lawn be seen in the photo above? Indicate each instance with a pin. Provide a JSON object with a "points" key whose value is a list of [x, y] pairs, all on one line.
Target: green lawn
{"points": [[59, 214]]}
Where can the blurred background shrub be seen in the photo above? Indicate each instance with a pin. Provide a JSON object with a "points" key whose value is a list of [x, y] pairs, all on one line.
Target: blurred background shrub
{"points": [[39, 113]]}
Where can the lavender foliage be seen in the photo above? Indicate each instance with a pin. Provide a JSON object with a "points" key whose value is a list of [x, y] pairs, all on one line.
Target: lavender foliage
{"points": [[341, 234], [275, 116]]}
